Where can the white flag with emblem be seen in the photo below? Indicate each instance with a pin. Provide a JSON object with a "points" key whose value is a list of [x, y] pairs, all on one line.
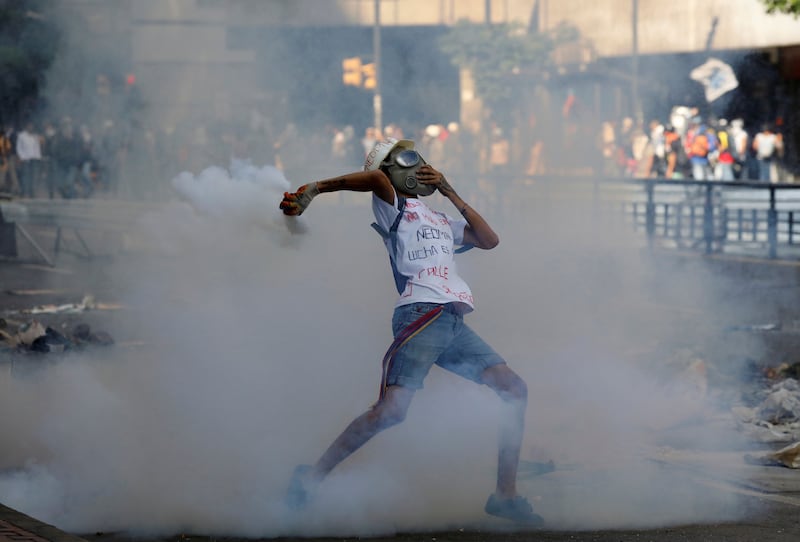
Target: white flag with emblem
{"points": [[716, 76]]}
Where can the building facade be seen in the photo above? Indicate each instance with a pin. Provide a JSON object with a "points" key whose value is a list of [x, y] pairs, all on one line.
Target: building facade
{"points": [[225, 58], [187, 48]]}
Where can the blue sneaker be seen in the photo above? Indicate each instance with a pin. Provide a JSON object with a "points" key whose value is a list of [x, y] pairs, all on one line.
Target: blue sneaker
{"points": [[517, 509], [298, 494]]}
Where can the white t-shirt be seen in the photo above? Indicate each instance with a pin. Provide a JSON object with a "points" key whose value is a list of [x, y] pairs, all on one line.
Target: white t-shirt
{"points": [[766, 145], [425, 240], [28, 147]]}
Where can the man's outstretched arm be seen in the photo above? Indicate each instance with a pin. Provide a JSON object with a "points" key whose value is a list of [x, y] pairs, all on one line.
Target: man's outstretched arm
{"points": [[294, 203]]}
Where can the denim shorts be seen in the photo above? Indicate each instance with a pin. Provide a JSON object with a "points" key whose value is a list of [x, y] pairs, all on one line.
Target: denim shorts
{"points": [[447, 342]]}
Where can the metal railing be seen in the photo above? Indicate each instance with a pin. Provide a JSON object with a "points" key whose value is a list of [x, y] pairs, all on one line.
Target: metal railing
{"points": [[753, 218], [748, 218], [737, 217], [73, 217]]}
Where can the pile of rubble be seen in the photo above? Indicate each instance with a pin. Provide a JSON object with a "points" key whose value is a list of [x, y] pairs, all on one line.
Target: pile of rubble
{"points": [[22, 332], [33, 336], [774, 420], [762, 400]]}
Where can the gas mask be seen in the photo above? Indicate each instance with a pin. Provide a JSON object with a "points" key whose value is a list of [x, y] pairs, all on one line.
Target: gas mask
{"points": [[402, 167]]}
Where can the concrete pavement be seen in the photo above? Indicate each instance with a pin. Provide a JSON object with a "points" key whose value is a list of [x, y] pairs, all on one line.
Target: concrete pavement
{"points": [[24, 284], [18, 527]]}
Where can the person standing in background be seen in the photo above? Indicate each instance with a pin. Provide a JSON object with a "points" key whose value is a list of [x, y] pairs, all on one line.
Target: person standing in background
{"points": [[766, 145], [659, 148], [723, 169], [8, 161], [49, 136], [738, 144], [679, 166], [67, 153], [29, 152]]}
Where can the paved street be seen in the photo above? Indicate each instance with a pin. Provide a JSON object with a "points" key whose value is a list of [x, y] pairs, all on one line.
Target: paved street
{"points": [[770, 496], [17, 527]]}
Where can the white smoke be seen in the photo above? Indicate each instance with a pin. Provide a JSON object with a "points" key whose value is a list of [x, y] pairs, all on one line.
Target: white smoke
{"points": [[261, 345]]}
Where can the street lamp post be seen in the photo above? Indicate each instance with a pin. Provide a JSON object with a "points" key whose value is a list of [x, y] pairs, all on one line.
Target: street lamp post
{"points": [[377, 103], [635, 60]]}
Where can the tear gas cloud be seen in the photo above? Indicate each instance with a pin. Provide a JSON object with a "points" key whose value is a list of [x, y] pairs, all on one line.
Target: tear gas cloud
{"points": [[260, 345]]}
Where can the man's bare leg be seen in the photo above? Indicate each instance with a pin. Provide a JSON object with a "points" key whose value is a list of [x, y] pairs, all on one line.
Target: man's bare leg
{"points": [[513, 390], [505, 502], [389, 411]]}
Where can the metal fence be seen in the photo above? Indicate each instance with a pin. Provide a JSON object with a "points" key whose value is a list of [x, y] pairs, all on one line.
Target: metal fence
{"points": [[750, 218], [746, 218]]}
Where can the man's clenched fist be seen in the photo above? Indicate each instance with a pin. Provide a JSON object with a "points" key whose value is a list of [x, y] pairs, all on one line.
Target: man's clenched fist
{"points": [[294, 203]]}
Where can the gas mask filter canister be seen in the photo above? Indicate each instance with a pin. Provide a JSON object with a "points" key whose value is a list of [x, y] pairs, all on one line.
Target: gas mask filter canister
{"points": [[402, 170]]}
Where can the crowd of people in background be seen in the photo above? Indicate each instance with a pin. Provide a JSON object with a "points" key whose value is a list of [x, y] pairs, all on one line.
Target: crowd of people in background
{"points": [[690, 147], [68, 159], [60, 159], [72, 159]]}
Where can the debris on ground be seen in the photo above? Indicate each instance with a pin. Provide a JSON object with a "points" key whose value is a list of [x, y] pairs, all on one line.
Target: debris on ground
{"points": [[87, 303], [788, 456], [784, 370], [776, 419], [771, 326], [29, 291], [33, 336]]}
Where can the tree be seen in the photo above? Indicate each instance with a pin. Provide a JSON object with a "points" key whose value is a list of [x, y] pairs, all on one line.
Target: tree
{"points": [[28, 43], [495, 53], [783, 6]]}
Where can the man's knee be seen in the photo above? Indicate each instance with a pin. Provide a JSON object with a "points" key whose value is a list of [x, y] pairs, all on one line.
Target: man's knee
{"points": [[506, 383], [392, 409], [386, 415], [516, 389]]}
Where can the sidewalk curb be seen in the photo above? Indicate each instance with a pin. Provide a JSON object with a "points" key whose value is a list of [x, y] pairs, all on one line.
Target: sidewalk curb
{"points": [[18, 527]]}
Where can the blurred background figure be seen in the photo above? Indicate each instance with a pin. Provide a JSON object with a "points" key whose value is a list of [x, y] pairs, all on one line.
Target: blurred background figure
{"points": [[767, 146], [659, 148], [738, 142], [723, 168], [608, 149], [371, 137], [8, 171], [67, 152], [29, 152], [499, 152], [432, 144], [88, 163]]}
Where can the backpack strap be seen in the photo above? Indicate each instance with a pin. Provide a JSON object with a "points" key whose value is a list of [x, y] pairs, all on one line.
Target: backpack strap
{"points": [[401, 204], [391, 235]]}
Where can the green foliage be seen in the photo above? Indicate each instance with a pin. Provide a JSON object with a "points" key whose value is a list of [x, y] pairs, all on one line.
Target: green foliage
{"points": [[783, 6], [495, 53]]}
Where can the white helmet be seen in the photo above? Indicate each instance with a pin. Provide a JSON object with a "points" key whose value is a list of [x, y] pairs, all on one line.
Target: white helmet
{"points": [[381, 150]]}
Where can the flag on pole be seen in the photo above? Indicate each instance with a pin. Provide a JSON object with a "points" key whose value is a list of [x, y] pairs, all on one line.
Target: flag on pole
{"points": [[716, 76]]}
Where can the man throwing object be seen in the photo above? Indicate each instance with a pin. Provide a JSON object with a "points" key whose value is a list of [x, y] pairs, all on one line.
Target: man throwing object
{"points": [[428, 320]]}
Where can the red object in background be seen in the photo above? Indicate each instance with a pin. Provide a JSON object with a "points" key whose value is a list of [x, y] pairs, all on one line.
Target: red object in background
{"points": [[566, 109], [130, 79]]}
